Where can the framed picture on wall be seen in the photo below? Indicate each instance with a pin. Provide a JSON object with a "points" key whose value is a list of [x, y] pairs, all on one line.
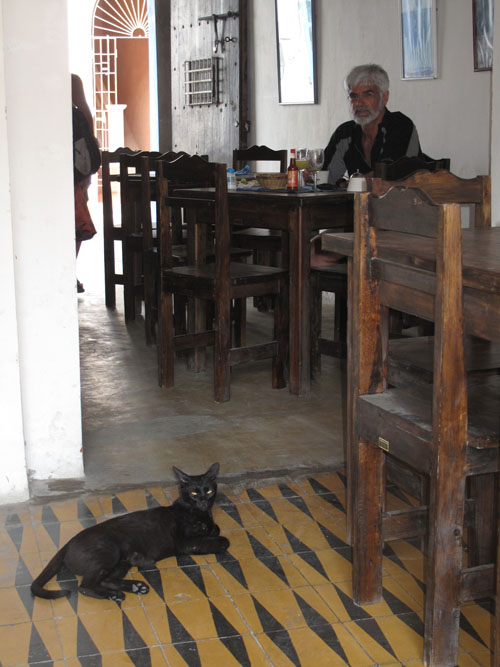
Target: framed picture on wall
{"points": [[418, 39], [296, 49], [482, 21]]}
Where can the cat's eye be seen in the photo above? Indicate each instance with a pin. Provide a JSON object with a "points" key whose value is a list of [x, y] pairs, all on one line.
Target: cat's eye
{"points": [[194, 493], [209, 492]]}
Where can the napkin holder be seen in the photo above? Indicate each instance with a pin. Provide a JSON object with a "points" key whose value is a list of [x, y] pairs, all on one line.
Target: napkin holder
{"points": [[357, 183]]}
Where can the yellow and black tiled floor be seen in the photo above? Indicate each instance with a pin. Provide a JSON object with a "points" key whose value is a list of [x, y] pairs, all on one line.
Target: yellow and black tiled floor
{"points": [[280, 596]]}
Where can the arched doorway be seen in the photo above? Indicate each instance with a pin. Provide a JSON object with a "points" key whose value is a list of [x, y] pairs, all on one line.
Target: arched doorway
{"points": [[120, 31]]}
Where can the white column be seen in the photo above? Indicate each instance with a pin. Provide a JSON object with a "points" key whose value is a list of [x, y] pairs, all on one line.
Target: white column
{"points": [[39, 137], [13, 476]]}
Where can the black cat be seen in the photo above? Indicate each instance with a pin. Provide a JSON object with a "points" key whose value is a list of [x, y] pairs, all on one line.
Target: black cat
{"points": [[103, 554]]}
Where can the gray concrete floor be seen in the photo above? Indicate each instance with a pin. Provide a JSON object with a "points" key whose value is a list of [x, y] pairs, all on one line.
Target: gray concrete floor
{"points": [[133, 431]]}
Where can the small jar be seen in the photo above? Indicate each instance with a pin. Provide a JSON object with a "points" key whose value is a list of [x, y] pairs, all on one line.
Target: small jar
{"points": [[231, 179]]}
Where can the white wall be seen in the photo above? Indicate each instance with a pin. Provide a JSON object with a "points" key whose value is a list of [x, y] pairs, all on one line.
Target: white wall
{"points": [[39, 287], [495, 126], [452, 113], [13, 479]]}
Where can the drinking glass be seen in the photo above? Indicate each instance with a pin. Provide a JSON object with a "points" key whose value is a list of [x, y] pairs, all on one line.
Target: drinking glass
{"points": [[315, 159], [301, 162]]}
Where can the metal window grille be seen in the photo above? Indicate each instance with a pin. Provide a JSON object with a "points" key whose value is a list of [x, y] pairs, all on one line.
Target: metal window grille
{"points": [[105, 85], [201, 81]]}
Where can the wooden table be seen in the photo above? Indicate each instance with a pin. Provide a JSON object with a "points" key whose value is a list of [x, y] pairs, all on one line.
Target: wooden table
{"points": [[299, 216]]}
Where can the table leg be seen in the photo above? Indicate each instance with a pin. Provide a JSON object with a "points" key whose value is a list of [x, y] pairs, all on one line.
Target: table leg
{"points": [[300, 366]]}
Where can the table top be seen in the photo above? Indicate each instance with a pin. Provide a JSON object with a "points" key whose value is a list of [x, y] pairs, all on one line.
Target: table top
{"points": [[480, 253], [277, 195]]}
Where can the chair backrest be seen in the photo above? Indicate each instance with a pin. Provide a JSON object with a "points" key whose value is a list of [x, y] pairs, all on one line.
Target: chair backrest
{"points": [[138, 189], [443, 186], [107, 159], [209, 208], [390, 279], [405, 166], [242, 156]]}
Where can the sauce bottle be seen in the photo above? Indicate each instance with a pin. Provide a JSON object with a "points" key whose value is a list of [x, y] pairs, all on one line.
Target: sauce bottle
{"points": [[293, 174]]}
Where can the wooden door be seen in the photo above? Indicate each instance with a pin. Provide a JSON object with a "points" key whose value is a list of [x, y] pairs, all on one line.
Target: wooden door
{"points": [[208, 77]]}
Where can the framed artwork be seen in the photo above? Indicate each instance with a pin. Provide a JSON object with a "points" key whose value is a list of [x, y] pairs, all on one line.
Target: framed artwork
{"points": [[418, 39], [296, 50], [482, 21]]}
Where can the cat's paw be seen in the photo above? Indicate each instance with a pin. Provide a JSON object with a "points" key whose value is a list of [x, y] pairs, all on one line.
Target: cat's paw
{"points": [[222, 545], [116, 596], [134, 586], [139, 588]]}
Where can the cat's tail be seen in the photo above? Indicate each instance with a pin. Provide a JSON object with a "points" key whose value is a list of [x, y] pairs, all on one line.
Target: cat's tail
{"points": [[49, 571]]}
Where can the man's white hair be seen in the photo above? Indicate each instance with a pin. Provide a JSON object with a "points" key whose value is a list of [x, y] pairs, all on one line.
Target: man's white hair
{"points": [[366, 75]]}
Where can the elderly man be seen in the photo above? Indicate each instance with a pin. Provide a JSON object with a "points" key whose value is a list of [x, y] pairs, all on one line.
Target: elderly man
{"points": [[374, 134]]}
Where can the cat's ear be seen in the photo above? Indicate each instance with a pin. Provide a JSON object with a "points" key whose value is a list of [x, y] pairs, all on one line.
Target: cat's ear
{"points": [[213, 471], [181, 476]]}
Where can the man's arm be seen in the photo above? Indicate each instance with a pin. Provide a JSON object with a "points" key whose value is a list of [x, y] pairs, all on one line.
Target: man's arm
{"points": [[334, 155]]}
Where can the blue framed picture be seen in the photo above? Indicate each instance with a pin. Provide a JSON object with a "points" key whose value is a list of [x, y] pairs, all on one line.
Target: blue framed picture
{"points": [[482, 13], [418, 39]]}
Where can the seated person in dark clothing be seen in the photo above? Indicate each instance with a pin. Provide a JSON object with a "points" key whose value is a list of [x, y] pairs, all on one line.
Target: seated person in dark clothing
{"points": [[374, 134]]}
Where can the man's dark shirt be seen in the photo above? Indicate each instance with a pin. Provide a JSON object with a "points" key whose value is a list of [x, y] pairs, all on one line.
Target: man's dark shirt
{"points": [[396, 137]]}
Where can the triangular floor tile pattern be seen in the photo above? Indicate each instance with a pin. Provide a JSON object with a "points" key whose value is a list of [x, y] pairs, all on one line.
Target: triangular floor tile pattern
{"points": [[281, 595]]}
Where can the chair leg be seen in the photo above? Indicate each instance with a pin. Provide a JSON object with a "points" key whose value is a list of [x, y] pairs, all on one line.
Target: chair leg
{"points": [[128, 282], [340, 318], [369, 494], [197, 321], [180, 314], [315, 300], [444, 562], [149, 296], [239, 321], [222, 369], [109, 266], [280, 359], [165, 341], [481, 543]]}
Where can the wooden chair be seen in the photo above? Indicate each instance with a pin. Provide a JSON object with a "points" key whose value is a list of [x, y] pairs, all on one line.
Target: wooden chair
{"points": [[442, 186], [410, 359], [138, 181], [413, 356], [448, 430], [406, 166], [135, 216], [220, 282], [266, 245], [111, 233], [333, 279]]}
